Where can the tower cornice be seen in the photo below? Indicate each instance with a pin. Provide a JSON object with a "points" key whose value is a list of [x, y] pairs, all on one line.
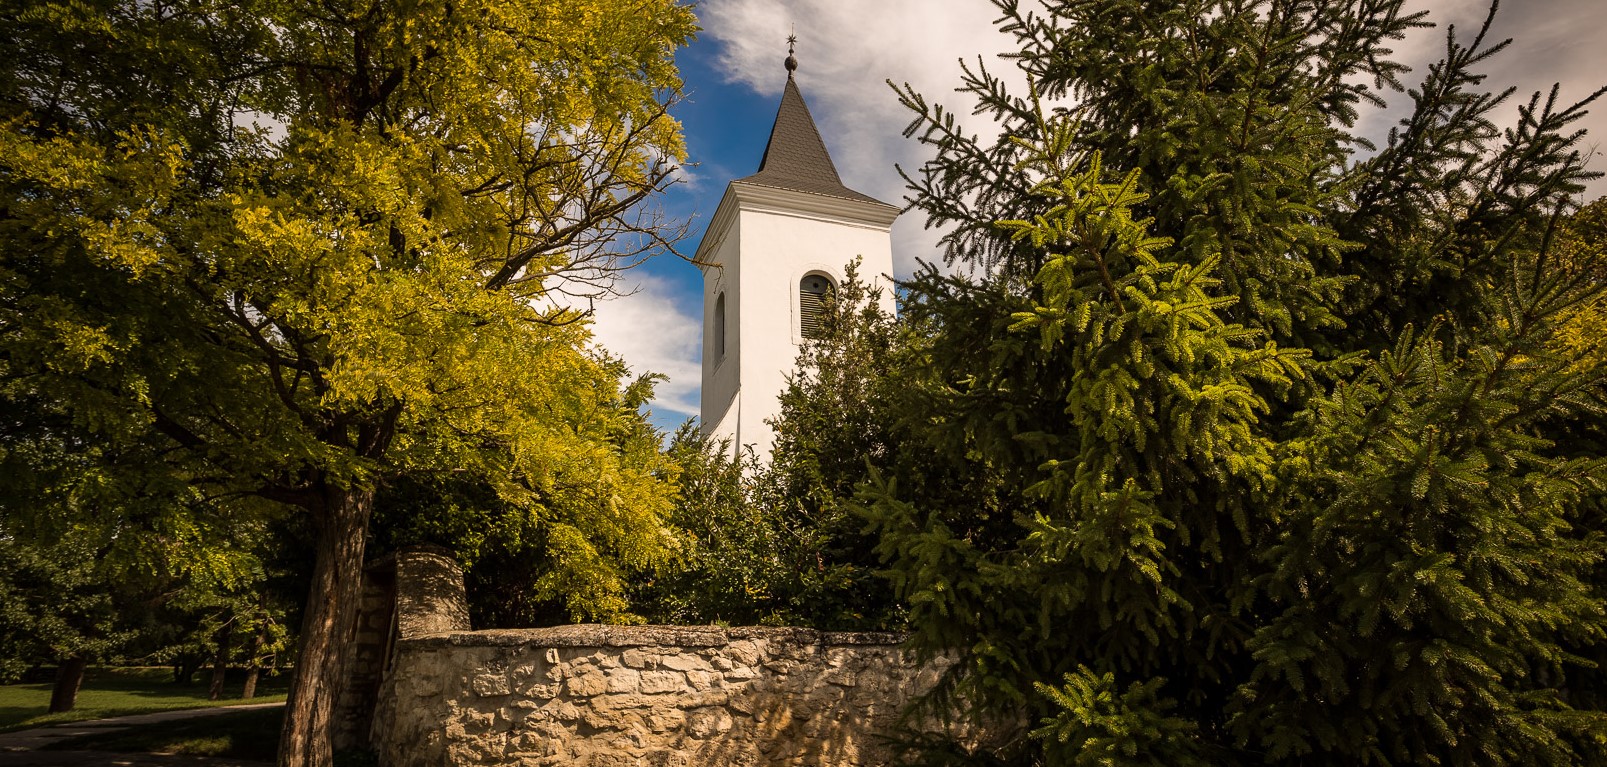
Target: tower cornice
{"points": [[747, 196]]}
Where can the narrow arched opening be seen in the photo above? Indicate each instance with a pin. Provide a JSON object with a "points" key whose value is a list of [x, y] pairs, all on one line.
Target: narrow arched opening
{"points": [[719, 327], [813, 291]]}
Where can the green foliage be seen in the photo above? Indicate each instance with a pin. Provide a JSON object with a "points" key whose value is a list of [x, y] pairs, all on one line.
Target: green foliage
{"points": [[1100, 725], [732, 566], [835, 424], [312, 308], [1124, 409], [1439, 570], [287, 252], [58, 604], [1183, 537], [1578, 248], [113, 691], [784, 542], [516, 570]]}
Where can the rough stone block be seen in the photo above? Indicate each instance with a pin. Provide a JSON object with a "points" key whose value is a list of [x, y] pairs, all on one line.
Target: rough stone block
{"points": [[624, 680], [746, 652], [587, 685], [666, 720], [610, 759], [490, 685], [558, 710], [685, 662], [618, 702], [840, 677], [658, 682], [708, 722], [643, 696], [611, 719], [667, 758], [703, 680]]}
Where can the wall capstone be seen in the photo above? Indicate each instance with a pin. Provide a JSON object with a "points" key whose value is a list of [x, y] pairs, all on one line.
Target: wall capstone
{"points": [[430, 597]]}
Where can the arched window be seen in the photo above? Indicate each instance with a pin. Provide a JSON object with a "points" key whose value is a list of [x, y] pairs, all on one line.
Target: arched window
{"points": [[719, 327], [813, 290]]}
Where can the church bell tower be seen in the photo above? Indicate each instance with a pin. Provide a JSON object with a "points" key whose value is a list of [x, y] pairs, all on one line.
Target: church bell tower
{"points": [[778, 244]]}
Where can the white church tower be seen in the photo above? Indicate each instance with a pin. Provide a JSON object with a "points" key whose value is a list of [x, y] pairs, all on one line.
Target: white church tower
{"points": [[780, 241]]}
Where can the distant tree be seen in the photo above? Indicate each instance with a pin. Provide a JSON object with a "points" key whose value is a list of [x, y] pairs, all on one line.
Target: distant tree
{"points": [[783, 541], [300, 249], [732, 562], [102, 563], [61, 609], [835, 424]]}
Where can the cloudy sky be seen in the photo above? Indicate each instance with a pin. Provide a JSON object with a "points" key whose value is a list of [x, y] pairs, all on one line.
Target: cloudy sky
{"points": [[848, 49]]}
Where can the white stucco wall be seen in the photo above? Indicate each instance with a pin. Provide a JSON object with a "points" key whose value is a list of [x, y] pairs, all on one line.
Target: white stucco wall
{"points": [[720, 398], [759, 246]]}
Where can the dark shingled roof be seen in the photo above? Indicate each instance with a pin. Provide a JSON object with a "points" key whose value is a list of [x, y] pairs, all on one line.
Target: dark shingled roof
{"points": [[796, 158]]}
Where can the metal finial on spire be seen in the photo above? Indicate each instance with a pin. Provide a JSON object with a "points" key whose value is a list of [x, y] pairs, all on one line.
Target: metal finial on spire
{"points": [[791, 63]]}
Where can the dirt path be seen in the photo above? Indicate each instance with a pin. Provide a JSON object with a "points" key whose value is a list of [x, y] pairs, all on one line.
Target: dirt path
{"points": [[21, 747]]}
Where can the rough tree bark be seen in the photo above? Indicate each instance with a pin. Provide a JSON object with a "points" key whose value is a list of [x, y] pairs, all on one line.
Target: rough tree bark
{"points": [[341, 522], [254, 654], [69, 677], [220, 662], [184, 669]]}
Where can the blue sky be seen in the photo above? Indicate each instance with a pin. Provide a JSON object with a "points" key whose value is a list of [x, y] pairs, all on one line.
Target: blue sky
{"points": [[657, 328], [726, 124], [847, 51]]}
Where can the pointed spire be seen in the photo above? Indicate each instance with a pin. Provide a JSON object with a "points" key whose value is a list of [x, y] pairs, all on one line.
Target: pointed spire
{"points": [[796, 157]]}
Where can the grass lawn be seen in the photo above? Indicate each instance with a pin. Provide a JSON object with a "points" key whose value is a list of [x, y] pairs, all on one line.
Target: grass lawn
{"points": [[124, 691], [240, 735]]}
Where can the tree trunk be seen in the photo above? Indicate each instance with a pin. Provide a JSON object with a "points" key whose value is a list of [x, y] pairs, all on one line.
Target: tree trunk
{"points": [[220, 663], [254, 654], [69, 677], [327, 628], [184, 669]]}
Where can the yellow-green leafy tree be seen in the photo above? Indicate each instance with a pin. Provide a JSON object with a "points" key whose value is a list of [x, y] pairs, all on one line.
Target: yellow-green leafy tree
{"points": [[1581, 239], [293, 249]]}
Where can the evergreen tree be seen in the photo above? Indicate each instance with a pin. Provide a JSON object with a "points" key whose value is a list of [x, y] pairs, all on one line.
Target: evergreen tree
{"points": [[1119, 412], [835, 423], [731, 564], [782, 542], [1193, 541]]}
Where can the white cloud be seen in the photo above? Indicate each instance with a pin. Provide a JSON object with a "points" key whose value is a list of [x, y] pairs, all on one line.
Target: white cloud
{"points": [[848, 49], [1553, 41], [655, 331], [685, 179]]}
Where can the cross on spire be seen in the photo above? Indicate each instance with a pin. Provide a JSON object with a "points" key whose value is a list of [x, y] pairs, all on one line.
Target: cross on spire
{"points": [[791, 63]]}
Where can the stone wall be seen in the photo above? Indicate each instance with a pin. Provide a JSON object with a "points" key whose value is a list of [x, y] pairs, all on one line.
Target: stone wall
{"points": [[367, 653], [612, 696], [414, 592]]}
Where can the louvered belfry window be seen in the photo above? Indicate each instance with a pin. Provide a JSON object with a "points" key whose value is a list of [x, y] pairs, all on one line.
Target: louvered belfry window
{"points": [[812, 293]]}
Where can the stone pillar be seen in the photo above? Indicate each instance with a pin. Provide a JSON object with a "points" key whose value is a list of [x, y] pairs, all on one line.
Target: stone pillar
{"points": [[430, 597], [414, 592]]}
